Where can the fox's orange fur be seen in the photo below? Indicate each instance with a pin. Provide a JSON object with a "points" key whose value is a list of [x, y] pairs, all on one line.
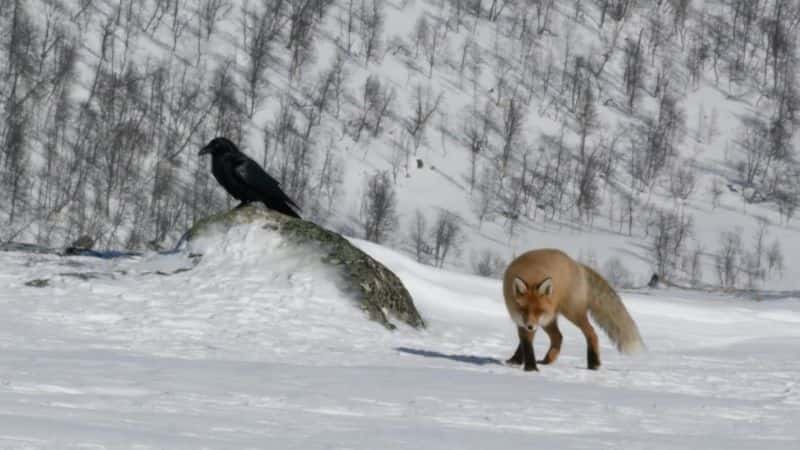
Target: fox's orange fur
{"points": [[541, 284]]}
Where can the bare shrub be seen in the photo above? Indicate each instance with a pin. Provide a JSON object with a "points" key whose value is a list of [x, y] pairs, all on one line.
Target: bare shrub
{"points": [[488, 264], [682, 182], [617, 274]]}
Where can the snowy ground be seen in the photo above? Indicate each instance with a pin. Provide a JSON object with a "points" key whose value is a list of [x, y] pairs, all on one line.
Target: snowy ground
{"points": [[258, 349]]}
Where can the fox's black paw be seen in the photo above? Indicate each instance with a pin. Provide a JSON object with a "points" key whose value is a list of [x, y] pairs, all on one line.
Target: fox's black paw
{"points": [[514, 361]]}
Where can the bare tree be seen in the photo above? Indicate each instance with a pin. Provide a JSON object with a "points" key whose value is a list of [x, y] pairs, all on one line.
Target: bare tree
{"points": [[727, 259], [372, 19], [621, 8], [669, 233], [512, 198], [376, 102], [325, 89], [588, 198], [421, 34], [634, 73], [379, 208], [484, 199], [513, 119], [752, 263], [587, 119], [424, 106], [496, 9], [446, 235], [754, 165], [544, 11], [787, 200], [697, 56], [657, 143], [695, 266], [419, 238], [476, 135], [327, 188], [303, 17], [15, 170], [348, 21], [210, 12], [458, 9], [628, 212], [682, 182], [18, 74], [775, 258], [295, 161], [716, 192], [228, 112], [433, 42], [260, 28], [178, 21]]}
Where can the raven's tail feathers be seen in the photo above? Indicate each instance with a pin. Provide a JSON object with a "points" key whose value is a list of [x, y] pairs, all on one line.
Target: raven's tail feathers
{"points": [[283, 208]]}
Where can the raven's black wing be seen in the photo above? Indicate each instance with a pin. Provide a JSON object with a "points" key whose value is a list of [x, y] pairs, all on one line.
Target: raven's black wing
{"points": [[266, 188], [224, 170]]}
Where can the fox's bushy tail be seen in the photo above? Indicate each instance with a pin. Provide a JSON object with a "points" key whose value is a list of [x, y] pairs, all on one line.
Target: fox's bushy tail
{"points": [[609, 313]]}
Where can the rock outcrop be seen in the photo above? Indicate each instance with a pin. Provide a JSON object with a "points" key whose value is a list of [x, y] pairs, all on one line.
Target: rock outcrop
{"points": [[377, 289]]}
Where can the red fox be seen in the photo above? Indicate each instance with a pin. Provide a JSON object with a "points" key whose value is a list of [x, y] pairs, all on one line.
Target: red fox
{"points": [[540, 284]]}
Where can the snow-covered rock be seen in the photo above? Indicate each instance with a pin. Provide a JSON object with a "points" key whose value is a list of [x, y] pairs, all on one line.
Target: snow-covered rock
{"points": [[270, 238]]}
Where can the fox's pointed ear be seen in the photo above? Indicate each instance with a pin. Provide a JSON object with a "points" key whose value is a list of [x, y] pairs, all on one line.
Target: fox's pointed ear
{"points": [[546, 287], [520, 288]]}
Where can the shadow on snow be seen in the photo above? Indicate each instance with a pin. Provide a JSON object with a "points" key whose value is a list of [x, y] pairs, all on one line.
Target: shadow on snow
{"points": [[468, 359]]}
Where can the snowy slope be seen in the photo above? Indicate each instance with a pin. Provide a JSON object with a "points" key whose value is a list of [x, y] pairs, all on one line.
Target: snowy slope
{"points": [[118, 36], [258, 349]]}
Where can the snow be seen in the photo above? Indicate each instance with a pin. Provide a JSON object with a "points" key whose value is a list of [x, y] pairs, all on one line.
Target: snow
{"points": [[255, 347]]}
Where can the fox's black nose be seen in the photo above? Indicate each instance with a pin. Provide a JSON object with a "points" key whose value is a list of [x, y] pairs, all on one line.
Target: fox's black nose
{"points": [[530, 327]]}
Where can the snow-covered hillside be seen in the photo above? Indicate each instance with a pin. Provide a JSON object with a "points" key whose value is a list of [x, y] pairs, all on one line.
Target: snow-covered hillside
{"points": [[255, 348], [539, 123]]}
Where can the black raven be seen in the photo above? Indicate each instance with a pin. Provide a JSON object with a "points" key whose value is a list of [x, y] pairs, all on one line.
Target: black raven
{"points": [[244, 179]]}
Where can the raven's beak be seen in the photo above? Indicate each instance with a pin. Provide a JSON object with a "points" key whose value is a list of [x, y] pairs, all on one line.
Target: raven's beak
{"points": [[204, 151]]}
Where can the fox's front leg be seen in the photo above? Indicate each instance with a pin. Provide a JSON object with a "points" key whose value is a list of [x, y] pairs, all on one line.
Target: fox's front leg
{"points": [[555, 342], [524, 353], [517, 358]]}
